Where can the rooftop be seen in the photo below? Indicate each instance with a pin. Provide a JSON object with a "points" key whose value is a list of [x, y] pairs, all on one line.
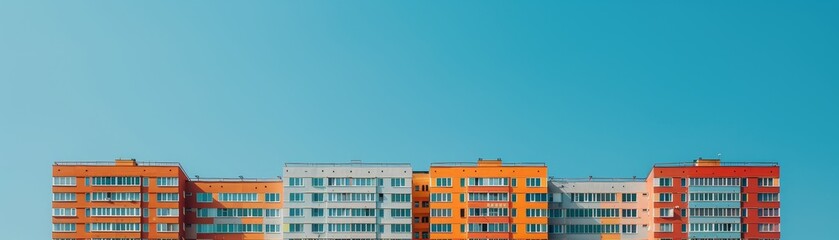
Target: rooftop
{"points": [[596, 179], [488, 163], [715, 163], [352, 163]]}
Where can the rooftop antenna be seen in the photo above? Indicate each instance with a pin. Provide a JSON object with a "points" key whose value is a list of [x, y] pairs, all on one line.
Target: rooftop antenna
{"points": [[197, 177], [719, 156]]}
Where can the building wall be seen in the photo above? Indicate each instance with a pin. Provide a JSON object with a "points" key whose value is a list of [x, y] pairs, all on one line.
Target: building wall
{"points": [[421, 205], [210, 213], [562, 191], [516, 202], [713, 169], [383, 203], [419, 187], [148, 204]]}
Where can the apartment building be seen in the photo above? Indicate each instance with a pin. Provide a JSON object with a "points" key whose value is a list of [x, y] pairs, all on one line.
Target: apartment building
{"points": [[709, 199], [347, 200], [705, 199], [421, 210], [599, 208], [488, 200], [122, 199], [234, 209]]}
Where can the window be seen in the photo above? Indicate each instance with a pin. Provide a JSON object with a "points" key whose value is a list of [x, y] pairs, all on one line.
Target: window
{"points": [[714, 197], [113, 227], [441, 197], [766, 182], [115, 181], [317, 182], [486, 227], [113, 196], [318, 227], [295, 212], [665, 197], [714, 227], [629, 213], [351, 197], [592, 228], [769, 227], [665, 212], [237, 197], [714, 212], [64, 197], [441, 212], [295, 227], [768, 212], [204, 197], [228, 228], [167, 212], [167, 182], [167, 197], [273, 212], [533, 182], [351, 227], [397, 182], [401, 197], [665, 227], [295, 197], [441, 228], [768, 197], [64, 181], [536, 197], [536, 212], [662, 182], [488, 181], [629, 197], [317, 197], [113, 212], [351, 182], [400, 228], [629, 228], [317, 212], [487, 197], [715, 181], [592, 212], [167, 227], [63, 212], [274, 228], [295, 182], [402, 213], [64, 227], [593, 197], [444, 182]]}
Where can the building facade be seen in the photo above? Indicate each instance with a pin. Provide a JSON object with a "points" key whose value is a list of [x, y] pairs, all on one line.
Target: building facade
{"points": [[709, 199], [234, 209], [118, 200], [421, 210], [488, 200], [599, 208], [485, 200], [347, 200]]}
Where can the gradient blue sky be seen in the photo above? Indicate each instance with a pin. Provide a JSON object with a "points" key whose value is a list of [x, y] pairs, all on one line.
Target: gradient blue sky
{"points": [[603, 88]]}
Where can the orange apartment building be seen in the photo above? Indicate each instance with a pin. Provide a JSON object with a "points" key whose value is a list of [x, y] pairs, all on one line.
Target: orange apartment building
{"points": [[118, 200], [421, 207], [488, 200], [234, 209], [130, 200]]}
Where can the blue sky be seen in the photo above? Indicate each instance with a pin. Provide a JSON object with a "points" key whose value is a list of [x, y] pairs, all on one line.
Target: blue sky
{"points": [[603, 88]]}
